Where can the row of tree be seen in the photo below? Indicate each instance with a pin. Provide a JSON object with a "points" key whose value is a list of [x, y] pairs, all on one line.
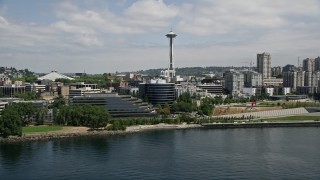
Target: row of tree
{"points": [[14, 116], [82, 115], [185, 104], [100, 79], [121, 124]]}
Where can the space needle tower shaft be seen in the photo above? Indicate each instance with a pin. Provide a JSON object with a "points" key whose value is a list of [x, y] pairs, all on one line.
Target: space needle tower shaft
{"points": [[170, 36]]}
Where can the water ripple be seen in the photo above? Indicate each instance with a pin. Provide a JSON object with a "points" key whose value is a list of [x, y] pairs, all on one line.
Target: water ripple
{"points": [[267, 153]]}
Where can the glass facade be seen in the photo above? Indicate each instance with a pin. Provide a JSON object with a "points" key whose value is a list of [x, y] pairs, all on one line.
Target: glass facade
{"points": [[158, 93]]}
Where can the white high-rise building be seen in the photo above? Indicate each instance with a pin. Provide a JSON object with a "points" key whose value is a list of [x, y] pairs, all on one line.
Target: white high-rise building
{"points": [[264, 65]]}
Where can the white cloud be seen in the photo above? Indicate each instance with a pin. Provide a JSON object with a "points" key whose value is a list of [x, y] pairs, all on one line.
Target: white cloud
{"points": [[3, 21], [64, 26], [140, 17], [209, 33], [87, 40], [227, 17], [150, 14]]}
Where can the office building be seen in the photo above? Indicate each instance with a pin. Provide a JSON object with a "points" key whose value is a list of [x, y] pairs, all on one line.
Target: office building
{"points": [[290, 80], [252, 78], [157, 92], [213, 89], [289, 67], [82, 91], [276, 71], [264, 65], [37, 88], [234, 82], [308, 65], [11, 90], [192, 89], [118, 106], [317, 64]]}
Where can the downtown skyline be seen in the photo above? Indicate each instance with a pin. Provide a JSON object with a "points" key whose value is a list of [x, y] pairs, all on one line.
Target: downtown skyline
{"points": [[126, 35]]}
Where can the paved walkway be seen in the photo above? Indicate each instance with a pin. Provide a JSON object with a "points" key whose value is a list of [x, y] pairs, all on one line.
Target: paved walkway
{"points": [[273, 113]]}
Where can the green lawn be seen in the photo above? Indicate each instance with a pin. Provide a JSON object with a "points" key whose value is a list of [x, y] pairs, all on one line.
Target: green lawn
{"points": [[293, 118], [37, 129]]}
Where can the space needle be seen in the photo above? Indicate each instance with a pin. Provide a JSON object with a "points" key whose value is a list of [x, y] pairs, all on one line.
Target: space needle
{"points": [[171, 71]]}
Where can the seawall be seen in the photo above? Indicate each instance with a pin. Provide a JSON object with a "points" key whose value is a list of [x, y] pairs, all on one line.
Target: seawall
{"points": [[263, 124]]}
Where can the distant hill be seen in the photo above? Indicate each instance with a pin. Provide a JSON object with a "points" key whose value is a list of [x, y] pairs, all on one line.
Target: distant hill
{"points": [[197, 71]]}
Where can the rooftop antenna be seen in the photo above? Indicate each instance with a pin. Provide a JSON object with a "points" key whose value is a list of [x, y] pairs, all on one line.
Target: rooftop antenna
{"points": [[298, 63]]}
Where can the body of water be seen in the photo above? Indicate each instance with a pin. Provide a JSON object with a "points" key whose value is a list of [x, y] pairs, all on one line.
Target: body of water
{"points": [[267, 153]]}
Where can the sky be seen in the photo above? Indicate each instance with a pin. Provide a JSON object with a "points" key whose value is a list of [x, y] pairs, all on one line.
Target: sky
{"points": [[98, 36]]}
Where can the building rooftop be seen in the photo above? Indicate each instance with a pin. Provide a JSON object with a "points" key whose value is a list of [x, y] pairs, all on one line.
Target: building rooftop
{"points": [[53, 76]]}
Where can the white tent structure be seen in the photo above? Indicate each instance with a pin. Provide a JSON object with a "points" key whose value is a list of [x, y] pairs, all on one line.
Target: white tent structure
{"points": [[53, 76]]}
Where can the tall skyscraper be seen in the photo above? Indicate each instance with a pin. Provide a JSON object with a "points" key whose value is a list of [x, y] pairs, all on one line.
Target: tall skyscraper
{"points": [[317, 64], [308, 65], [264, 65]]}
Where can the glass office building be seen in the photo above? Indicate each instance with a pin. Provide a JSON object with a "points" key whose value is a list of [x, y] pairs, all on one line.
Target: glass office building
{"points": [[157, 92]]}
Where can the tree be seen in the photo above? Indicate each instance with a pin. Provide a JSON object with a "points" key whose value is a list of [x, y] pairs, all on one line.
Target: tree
{"points": [[10, 122], [25, 111], [206, 107], [166, 109], [27, 96], [100, 118], [163, 110], [40, 115], [185, 97], [183, 103], [82, 115], [58, 102]]}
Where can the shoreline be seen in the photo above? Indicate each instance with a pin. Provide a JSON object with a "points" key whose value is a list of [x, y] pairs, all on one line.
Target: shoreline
{"points": [[71, 132], [261, 124]]}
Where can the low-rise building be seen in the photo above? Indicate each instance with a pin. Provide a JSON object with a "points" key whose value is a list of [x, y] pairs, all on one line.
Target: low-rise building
{"points": [[11, 90], [37, 88], [272, 82], [269, 91], [306, 90], [249, 91], [214, 89], [82, 91], [191, 89], [117, 106], [286, 90]]}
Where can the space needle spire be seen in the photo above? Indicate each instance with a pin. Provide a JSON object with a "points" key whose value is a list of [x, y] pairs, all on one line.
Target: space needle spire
{"points": [[171, 70]]}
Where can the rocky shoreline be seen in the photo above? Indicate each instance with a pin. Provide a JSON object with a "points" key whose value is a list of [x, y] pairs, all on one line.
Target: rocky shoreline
{"points": [[83, 131]]}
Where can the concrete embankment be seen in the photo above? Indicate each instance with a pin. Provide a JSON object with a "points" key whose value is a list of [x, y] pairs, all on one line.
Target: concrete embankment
{"points": [[51, 136], [263, 124], [70, 132]]}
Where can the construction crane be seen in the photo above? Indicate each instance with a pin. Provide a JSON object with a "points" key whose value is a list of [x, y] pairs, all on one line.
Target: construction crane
{"points": [[251, 63]]}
